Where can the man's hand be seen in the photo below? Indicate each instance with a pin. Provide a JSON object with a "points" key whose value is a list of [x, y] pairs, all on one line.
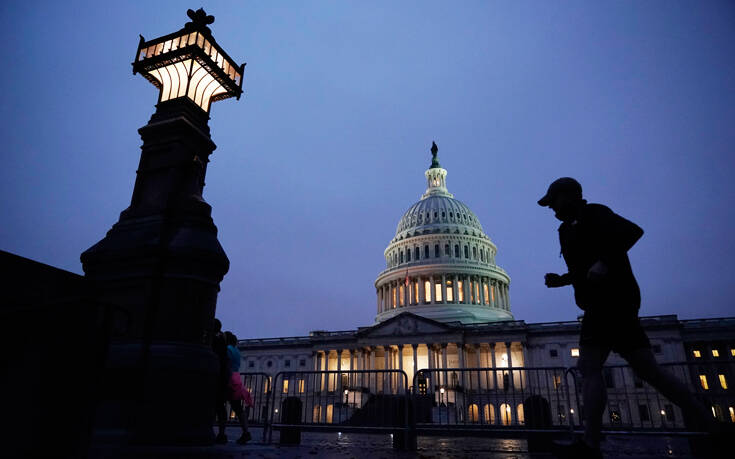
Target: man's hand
{"points": [[597, 272], [553, 280]]}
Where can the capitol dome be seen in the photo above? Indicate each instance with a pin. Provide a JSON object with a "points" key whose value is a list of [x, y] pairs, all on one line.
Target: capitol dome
{"points": [[441, 264]]}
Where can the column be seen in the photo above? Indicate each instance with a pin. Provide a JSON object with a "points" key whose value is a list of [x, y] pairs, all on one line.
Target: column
{"points": [[406, 292], [386, 366], [513, 415], [352, 376], [460, 352], [415, 364], [422, 296], [399, 377], [338, 381], [444, 288], [455, 289], [507, 297], [431, 354], [431, 289], [481, 290], [492, 365], [377, 294], [444, 365], [466, 288]]}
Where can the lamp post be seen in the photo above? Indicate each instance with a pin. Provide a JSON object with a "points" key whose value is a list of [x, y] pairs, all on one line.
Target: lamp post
{"points": [[161, 263]]}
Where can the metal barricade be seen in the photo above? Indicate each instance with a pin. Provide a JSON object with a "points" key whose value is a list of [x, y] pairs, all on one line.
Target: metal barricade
{"points": [[633, 405], [502, 401], [350, 400]]}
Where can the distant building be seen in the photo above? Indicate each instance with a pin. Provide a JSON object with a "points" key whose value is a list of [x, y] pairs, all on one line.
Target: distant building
{"points": [[444, 303]]}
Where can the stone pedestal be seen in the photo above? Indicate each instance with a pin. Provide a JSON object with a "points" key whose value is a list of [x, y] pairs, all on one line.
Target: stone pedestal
{"points": [[161, 263]]}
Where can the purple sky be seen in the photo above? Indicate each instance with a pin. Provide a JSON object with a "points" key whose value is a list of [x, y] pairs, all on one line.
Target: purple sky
{"points": [[318, 161]]}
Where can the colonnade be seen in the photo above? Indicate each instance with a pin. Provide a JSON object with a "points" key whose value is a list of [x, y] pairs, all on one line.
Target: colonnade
{"points": [[413, 357], [443, 289]]}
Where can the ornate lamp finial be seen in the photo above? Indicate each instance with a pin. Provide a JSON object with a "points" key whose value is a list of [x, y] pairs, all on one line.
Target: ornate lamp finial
{"points": [[199, 19], [434, 159]]}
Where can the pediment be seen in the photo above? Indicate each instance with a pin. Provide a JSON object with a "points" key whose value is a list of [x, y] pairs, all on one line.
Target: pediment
{"points": [[405, 324]]}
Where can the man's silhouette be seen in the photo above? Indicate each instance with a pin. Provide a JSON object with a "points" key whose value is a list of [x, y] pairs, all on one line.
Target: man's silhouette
{"points": [[594, 243]]}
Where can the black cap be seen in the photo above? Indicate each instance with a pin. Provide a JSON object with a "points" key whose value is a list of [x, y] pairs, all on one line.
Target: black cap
{"points": [[561, 185]]}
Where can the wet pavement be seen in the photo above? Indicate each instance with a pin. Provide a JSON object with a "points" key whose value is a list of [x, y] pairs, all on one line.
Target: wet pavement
{"points": [[377, 446]]}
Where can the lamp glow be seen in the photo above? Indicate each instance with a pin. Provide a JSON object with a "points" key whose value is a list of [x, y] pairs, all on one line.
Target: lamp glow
{"points": [[189, 63]]}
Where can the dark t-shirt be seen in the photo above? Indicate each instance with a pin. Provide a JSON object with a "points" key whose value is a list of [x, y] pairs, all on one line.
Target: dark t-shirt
{"points": [[598, 234]]}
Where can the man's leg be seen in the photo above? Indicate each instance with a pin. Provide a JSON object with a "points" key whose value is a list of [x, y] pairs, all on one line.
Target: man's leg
{"points": [[645, 366], [594, 394]]}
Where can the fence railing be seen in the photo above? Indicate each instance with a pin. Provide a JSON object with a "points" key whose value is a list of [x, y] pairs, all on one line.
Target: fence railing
{"points": [[519, 397], [632, 404], [517, 401]]}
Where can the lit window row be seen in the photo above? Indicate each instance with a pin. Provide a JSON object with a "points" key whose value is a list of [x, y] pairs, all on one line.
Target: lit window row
{"points": [[485, 292], [715, 353], [399, 257]]}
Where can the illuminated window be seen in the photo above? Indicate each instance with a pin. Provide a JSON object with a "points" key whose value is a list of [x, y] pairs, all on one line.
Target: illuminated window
{"points": [[697, 354], [301, 386], [492, 293], [395, 293], [427, 292], [732, 352], [285, 386], [438, 291], [575, 352], [460, 291], [402, 295], [505, 414], [732, 414], [416, 292], [487, 296], [267, 385], [450, 291], [477, 292], [520, 413], [330, 409], [317, 414], [715, 353], [473, 413], [489, 410], [703, 382], [723, 381], [557, 381]]}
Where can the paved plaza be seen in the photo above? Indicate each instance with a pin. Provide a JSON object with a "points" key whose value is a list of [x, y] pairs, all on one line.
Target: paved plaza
{"points": [[377, 446]]}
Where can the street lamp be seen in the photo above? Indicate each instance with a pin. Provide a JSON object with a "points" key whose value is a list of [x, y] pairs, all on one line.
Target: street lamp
{"points": [[189, 63]]}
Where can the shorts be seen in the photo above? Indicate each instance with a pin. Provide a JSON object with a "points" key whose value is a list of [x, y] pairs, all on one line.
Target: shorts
{"points": [[621, 332]]}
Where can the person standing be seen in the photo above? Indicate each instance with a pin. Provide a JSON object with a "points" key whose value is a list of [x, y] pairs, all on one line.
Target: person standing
{"points": [[595, 243], [237, 393]]}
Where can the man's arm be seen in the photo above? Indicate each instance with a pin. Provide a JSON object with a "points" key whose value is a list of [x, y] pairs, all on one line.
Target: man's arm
{"points": [[553, 280]]}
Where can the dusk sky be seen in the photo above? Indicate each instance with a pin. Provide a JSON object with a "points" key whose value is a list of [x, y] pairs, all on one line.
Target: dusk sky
{"points": [[327, 148]]}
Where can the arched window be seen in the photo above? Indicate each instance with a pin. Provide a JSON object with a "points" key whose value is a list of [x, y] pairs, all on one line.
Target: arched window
{"points": [[436, 251], [401, 256], [482, 255], [426, 251], [474, 253], [408, 255], [466, 252], [473, 413], [505, 414], [456, 251], [489, 412], [446, 250], [416, 253]]}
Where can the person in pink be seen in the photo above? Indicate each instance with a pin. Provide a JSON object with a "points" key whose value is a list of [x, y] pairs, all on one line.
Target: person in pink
{"points": [[239, 397]]}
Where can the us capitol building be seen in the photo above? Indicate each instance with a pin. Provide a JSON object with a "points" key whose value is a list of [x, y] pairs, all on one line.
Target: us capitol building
{"points": [[444, 303]]}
